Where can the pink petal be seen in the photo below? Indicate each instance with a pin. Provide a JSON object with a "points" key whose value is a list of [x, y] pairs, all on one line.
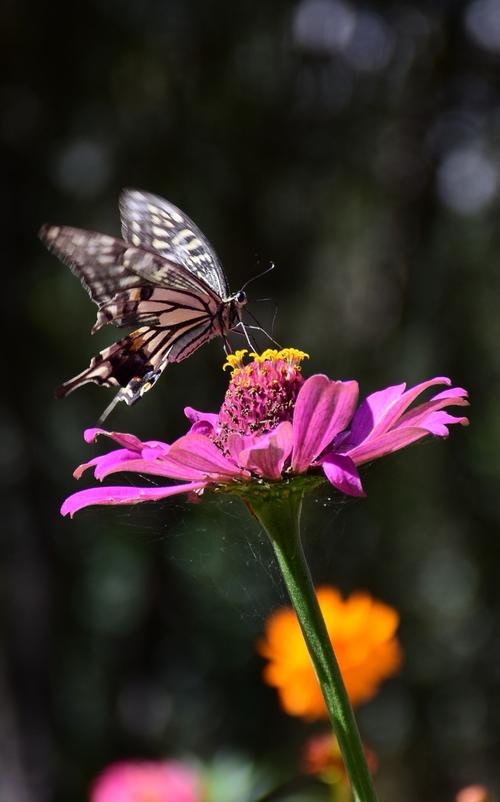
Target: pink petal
{"points": [[398, 407], [437, 423], [129, 441], [199, 453], [267, 457], [419, 415], [154, 450], [322, 410], [385, 444], [170, 469], [202, 422], [371, 410], [236, 443], [123, 495], [452, 392], [113, 458], [341, 472]]}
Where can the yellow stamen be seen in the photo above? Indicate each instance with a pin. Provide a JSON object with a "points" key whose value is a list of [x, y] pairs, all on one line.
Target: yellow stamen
{"points": [[294, 356], [233, 361]]}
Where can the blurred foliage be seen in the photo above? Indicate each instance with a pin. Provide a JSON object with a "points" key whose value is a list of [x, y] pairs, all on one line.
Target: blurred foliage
{"points": [[358, 147]]}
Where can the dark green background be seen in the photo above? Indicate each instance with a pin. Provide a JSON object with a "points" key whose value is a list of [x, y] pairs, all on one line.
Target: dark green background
{"points": [[358, 147]]}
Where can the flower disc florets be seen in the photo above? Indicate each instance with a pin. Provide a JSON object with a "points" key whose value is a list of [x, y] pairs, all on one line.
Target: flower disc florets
{"points": [[261, 394]]}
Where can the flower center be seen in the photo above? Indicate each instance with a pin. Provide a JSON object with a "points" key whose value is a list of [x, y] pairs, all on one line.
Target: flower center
{"points": [[261, 393]]}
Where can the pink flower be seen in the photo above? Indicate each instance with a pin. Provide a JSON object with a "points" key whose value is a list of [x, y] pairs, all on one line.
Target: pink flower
{"points": [[274, 426], [147, 781]]}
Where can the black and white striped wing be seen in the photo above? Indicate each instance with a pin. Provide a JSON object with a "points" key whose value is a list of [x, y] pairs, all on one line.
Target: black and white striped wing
{"points": [[135, 362], [96, 259], [125, 281], [154, 223]]}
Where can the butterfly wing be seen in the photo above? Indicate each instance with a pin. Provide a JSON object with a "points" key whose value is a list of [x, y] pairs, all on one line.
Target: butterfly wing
{"points": [[121, 278], [156, 224], [135, 362], [96, 259]]}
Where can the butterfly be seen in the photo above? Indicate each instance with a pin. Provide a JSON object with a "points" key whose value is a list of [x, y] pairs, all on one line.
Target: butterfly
{"points": [[163, 277]]}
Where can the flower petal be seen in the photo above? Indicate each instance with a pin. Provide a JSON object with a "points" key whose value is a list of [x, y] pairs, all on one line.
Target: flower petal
{"points": [[129, 441], [437, 423], [267, 457], [418, 416], [202, 422], [322, 410], [371, 411], [123, 495], [453, 392], [116, 457], [386, 444], [341, 472], [399, 406], [199, 453], [236, 443], [153, 449], [170, 469]]}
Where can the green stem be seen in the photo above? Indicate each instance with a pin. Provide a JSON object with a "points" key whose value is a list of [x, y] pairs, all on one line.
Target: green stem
{"points": [[279, 514]]}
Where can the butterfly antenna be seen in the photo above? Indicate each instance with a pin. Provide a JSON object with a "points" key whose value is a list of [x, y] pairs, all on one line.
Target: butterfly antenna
{"points": [[259, 275]]}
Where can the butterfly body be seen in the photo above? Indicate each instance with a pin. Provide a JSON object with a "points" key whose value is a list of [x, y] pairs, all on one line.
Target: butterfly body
{"points": [[162, 277]]}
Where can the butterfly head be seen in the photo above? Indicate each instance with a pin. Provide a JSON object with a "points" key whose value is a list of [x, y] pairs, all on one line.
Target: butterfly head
{"points": [[234, 306], [240, 299]]}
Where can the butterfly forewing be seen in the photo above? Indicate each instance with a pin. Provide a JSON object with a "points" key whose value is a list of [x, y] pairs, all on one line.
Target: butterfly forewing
{"points": [[97, 260], [153, 222]]}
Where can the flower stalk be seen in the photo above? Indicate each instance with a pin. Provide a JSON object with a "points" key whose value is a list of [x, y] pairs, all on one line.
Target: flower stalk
{"points": [[279, 515]]}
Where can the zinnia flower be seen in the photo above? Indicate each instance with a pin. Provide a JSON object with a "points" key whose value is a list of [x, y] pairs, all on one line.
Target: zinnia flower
{"points": [[276, 436], [362, 632], [274, 426], [147, 781]]}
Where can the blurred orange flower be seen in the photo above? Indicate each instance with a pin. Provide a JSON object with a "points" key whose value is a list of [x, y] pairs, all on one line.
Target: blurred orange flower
{"points": [[362, 631]]}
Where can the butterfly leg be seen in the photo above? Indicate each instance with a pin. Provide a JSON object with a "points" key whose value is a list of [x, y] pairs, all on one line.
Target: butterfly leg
{"points": [[134, 390], [245, 326], [241, 325], [227, 346]]}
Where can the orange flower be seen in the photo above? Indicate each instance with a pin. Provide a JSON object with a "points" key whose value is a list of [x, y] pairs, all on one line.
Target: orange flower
{"points": [[362, 631]]}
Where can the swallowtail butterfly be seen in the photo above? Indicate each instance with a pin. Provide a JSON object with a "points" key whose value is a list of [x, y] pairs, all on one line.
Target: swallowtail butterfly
{"points": [[162, 276]]}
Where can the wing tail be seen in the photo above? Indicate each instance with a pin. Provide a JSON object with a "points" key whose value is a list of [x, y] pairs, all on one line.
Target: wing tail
{"points": [[98, 372], [134, 364]]}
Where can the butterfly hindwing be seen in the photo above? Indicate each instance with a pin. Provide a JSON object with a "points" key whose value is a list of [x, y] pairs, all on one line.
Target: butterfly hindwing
{"points": [[125, 362], [135, 362], [154, 223]]}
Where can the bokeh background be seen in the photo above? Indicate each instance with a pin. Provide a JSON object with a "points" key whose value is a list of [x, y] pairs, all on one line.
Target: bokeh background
{"points": [[357, 145]]}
